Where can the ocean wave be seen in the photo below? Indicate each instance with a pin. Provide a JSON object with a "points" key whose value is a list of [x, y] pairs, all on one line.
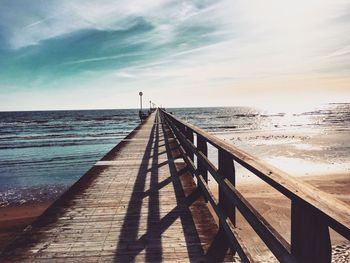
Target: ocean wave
{"points": [[21, 195], [58, 144], [43, 159], [102, 135], [272, 115], [40, 121], [248, 115], [216, 127]]}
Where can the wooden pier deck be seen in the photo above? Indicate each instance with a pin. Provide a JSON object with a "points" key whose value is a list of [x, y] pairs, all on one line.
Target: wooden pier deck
{"points": [[139, 203], [149, 200]]}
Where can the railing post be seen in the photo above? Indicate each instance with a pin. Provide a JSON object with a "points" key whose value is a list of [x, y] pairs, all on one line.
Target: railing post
{"points": [[202, 147], [189, 136], [310, 241], [226, 170], [181, 127]]}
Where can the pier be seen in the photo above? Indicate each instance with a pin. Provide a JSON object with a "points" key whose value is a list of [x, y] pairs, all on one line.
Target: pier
{"points": [[148, 200]]}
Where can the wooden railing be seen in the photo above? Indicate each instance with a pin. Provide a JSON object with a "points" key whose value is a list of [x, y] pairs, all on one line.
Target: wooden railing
{"points": [[312, 211]]}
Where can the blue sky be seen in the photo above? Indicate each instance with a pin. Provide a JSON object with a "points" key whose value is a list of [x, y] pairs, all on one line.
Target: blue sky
{"points": [[81, 54]]}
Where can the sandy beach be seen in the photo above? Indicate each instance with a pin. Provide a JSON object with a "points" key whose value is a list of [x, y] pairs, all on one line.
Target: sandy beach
{"points": [[276, 209], [13, 219]]}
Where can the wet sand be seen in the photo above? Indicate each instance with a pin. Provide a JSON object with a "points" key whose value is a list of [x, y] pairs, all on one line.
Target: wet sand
{"points": [[13, 219], [276, 209]]}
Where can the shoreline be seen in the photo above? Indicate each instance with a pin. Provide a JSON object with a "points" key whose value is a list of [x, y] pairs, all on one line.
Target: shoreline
{"points": [[269, 202]]}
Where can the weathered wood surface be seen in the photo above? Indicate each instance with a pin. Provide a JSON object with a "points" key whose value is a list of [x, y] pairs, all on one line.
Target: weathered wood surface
{"points": [[139, 203]]}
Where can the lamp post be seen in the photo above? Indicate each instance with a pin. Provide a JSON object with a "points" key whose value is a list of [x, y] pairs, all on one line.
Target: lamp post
{"points": [[150, 107], [140, 93]]}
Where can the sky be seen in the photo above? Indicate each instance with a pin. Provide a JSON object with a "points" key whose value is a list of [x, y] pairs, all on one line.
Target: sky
{"points": [[83, 54]]}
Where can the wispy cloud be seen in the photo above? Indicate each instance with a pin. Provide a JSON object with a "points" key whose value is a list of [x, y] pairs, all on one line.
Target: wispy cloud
{"points": [[162, 44], [81, 61]]}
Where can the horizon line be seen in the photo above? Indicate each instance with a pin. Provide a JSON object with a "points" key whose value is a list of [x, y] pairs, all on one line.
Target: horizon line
{"points": [[146, 108]]}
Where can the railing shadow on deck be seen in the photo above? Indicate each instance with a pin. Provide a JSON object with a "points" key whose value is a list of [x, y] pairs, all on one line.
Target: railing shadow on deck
{"points": [[129, 245], [218, 248]]}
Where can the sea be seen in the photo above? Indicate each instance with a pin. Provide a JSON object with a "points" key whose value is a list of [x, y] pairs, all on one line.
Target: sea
{"points": [[42, 153]]}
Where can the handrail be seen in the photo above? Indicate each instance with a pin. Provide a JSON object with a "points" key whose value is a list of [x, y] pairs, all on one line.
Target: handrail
{"points": [[312, 210]]}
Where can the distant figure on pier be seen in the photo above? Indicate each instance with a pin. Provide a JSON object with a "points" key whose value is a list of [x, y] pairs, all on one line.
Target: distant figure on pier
{"points": [[142, 115]]}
